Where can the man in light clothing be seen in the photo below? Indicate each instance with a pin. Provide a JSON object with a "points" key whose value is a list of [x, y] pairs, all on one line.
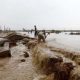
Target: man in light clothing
{"points": [[41, 37]]}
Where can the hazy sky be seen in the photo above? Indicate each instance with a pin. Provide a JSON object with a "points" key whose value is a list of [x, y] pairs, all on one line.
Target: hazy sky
{"points": [[46, 14]]}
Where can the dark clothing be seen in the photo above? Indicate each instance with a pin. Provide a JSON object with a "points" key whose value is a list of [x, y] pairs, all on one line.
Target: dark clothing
{"points": [[35, 33]]}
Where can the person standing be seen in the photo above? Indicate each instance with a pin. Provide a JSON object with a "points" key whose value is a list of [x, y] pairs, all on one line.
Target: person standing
{"points": [[35, 33]]}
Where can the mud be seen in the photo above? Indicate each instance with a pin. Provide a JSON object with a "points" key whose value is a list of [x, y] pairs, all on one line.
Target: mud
{"points": [[22, 67], [13, 69], [75, 56]]}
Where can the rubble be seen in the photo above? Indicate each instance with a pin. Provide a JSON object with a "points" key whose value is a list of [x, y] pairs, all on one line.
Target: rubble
{"points": [[26, 54], [23, 60], [5, 51], [62, 71], [2, 41], [14, 37]]}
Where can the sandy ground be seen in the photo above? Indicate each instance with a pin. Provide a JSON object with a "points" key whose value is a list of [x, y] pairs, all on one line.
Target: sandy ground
{"points": [[13, 69]]}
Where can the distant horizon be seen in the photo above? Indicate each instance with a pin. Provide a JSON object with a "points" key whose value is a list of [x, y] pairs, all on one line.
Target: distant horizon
{"points": [[32, 27]]}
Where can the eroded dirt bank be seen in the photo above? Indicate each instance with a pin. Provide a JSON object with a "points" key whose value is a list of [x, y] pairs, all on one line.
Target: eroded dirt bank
{"points": [[56, 63], [43, 63]]}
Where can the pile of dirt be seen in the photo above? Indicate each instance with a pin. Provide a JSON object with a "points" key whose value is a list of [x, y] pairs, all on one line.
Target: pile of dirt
{"points": [[14, 37]]}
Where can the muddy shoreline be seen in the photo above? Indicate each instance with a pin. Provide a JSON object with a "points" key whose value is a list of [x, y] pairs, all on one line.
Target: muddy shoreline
{"points": [[18, 67]]}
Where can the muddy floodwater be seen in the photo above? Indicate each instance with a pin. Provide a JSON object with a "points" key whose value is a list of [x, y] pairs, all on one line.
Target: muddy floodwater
{"points": [[62, 40], [66, 41], [13, 69]]}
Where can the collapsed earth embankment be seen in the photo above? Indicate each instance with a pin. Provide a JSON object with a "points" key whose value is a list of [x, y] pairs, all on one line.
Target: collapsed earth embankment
{"points": [[31, 60]]}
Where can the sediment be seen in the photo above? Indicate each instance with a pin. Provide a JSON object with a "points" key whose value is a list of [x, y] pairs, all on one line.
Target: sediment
{"points": [[59, 62], [31, 60]]}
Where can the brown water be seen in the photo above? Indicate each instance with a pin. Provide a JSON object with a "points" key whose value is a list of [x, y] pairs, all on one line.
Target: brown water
{"points": [[62, 40], [65, 41], [13, 69]]}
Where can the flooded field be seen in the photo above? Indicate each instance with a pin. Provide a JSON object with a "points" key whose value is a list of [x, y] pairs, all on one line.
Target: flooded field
{"points": [[66, 41], [62, 40]]}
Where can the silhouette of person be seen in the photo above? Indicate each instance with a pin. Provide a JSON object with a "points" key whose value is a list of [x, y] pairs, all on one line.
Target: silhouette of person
{"points": [[35, 33]]}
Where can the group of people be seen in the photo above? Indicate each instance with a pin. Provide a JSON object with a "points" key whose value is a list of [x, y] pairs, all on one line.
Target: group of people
{"points": [[41, 35]]}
